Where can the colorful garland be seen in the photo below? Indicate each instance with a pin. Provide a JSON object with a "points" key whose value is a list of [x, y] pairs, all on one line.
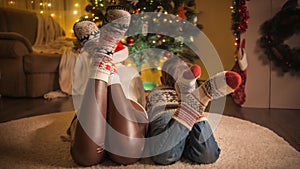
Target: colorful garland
{"points": [[278, 29], [240, 16]]}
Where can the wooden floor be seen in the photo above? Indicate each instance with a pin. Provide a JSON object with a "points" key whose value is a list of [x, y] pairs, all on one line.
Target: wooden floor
{"points": [[284, 122]]}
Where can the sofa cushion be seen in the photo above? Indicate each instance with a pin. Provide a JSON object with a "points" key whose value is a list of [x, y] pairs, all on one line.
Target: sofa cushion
{"points": [[41, 63], [38, 84], [14, 36], [22, 22]]}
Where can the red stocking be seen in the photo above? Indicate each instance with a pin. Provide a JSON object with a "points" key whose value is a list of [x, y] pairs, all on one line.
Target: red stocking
{"points": [[240, 66]]}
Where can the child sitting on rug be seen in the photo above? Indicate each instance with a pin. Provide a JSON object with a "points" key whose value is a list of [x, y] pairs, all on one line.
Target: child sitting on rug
{"points": [[107, 122], [178, 125]]}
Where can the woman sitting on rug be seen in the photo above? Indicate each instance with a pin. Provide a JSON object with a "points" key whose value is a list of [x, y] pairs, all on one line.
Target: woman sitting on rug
{"points": [[177, 122], [107, 122]]}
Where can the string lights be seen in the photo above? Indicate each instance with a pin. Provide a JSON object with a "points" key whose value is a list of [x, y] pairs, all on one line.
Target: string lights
{"points": [[240, 16]]}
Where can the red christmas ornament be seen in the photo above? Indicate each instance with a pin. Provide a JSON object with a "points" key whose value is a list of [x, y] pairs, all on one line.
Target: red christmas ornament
{"points": [[181, 12], [130, 41]]}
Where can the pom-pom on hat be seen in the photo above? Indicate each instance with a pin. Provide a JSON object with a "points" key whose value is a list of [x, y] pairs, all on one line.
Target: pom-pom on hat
{"points": [[193, 73], [86, 30]]}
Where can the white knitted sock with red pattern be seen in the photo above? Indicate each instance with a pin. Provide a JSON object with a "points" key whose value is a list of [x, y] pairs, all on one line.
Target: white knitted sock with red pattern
{"points": [[193, 104], [102, 49]]}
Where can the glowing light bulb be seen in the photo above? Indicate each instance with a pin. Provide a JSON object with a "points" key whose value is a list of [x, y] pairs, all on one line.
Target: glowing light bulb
{"points": [[76, 5], [75, 12]]}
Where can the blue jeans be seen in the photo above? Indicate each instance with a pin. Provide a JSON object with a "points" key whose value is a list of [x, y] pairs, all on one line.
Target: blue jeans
{"points": [[170, 140]]}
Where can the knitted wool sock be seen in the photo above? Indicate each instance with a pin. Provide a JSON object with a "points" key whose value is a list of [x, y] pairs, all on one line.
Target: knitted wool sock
{"points": [[103, 49], [187, 81], [86, 30], [193, 104], [117, 20], [113, 79]]}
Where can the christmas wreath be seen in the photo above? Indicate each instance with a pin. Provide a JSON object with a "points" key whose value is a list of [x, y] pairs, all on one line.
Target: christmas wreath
{"points": [[275, 31]]}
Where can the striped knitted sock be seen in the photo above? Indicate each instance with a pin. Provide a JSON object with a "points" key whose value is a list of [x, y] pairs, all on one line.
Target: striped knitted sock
{"points": [[193, 104]]}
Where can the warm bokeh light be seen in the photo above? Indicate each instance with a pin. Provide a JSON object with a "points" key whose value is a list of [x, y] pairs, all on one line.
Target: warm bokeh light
{"points": [[11, 3]]}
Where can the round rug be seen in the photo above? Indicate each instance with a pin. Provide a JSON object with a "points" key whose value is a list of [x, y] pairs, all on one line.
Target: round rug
{"points": [[36, 142]]}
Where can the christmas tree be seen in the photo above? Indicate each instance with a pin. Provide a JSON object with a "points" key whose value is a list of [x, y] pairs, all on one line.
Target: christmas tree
{"points": [[97, 10], [159, 25], [154, 17]]}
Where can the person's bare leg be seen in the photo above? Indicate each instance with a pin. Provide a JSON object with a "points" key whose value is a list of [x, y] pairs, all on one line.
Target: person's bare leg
{"points": [[87, 147], [129, 121]]}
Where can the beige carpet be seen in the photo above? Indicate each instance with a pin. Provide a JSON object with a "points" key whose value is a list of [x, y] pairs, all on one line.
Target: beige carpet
{"points": [[35, 143]]}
